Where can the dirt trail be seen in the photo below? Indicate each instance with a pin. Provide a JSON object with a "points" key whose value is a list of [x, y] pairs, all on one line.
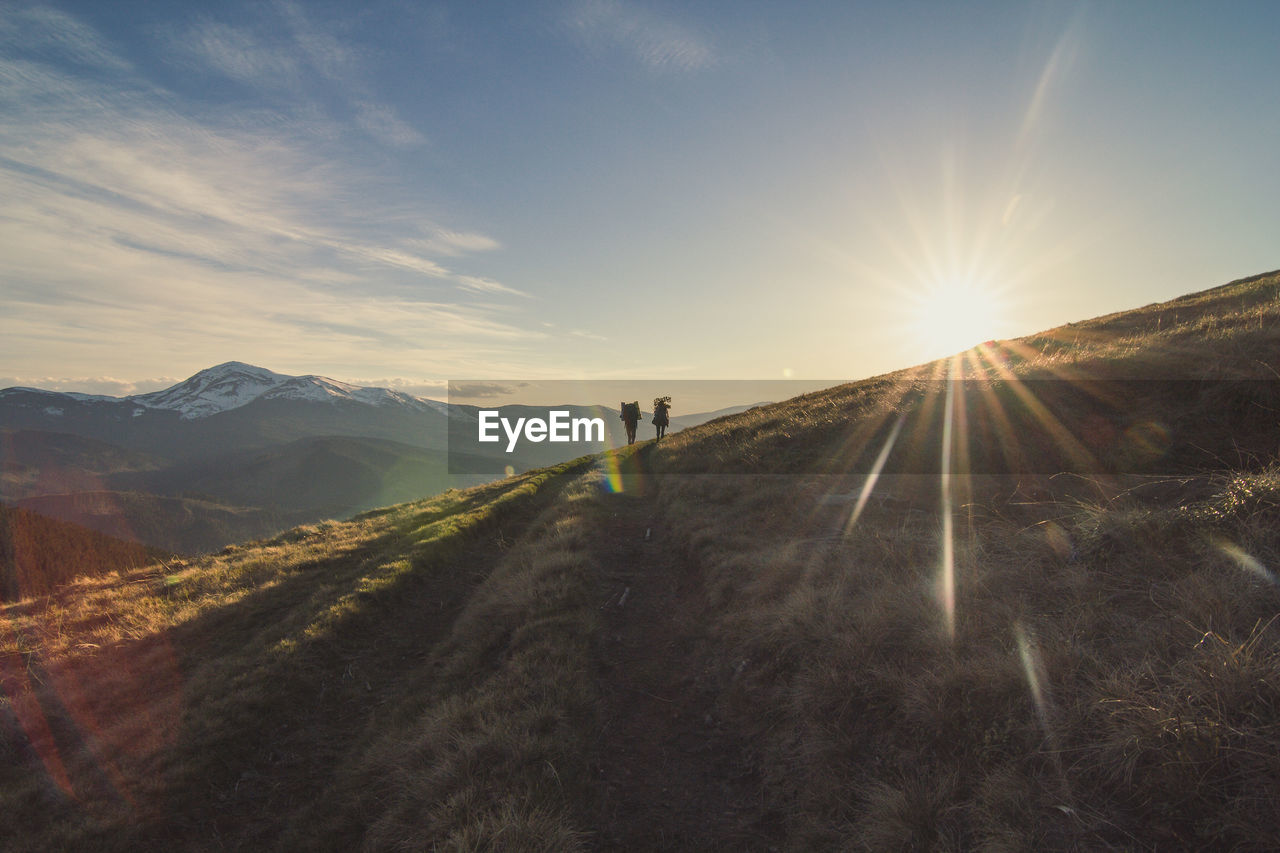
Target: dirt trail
{"points": [[670, 776]]}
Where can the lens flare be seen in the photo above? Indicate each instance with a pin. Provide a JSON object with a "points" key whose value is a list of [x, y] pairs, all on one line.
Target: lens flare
{"points": [[1032, 669], [869, 486], [612, 472], [1247, 561], [33, 725], [947, 568]]}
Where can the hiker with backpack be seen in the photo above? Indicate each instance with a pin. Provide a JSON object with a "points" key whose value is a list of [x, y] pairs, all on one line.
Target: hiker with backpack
{"points": [[661, 407], [630, 419]]}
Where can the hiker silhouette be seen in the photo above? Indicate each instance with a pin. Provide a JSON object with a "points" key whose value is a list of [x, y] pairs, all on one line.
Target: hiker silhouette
{"points": [[661, 406], [630, 418]]}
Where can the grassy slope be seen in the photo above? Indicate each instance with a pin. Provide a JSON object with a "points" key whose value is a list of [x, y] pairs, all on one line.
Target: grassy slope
{"points": [[240, 700], [1106, 675], [1110, 675]]}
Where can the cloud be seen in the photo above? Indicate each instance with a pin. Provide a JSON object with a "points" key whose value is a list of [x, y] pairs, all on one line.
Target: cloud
{"points": [[107, 386], [41, 30], [395, 258], [455, 243], [239, 54], [435, 389], [300, 62], [658, 43], [382, 123], [476, 284], [325, 52], [136, 229], [481, 390]]}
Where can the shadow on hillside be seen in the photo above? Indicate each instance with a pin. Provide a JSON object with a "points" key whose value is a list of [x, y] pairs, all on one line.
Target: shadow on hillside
{"points": [[252, 706], [629, 470]]}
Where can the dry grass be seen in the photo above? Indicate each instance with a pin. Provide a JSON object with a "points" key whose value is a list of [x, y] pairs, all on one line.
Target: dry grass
{"points": [[490, 754], [212, 702], [1118, 692], [1100, 669]]}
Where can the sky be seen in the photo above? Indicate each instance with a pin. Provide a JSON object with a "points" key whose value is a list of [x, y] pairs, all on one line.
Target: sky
{"points": [[405, 193]]}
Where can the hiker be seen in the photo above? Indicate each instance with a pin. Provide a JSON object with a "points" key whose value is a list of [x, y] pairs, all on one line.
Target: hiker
{"points": [[630, 418], [661, 405]]}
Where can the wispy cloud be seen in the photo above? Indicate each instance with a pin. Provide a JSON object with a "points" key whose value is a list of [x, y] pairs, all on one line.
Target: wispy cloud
{"points": [[41, 30], [657, 42], [476, 284], [442, 241], [435, 389], [107, 386], [129, 224], [239, 54], [382, 123], [480, 390], [291, 55]]}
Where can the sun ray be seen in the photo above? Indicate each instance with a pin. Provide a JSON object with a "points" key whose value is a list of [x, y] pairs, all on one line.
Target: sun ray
{"points": [[947, 566], [869, 486], [1032, 669], [1247, 561]]}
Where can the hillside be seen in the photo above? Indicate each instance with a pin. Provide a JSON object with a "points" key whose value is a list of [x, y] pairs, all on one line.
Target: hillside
{"points": [[38, 554], [181, 525], [44, 463], [1022, 599]]}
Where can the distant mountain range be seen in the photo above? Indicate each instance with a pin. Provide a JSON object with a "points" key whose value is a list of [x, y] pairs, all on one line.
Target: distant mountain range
{"points": [[230, 407], [235, 384], [239, 451]]}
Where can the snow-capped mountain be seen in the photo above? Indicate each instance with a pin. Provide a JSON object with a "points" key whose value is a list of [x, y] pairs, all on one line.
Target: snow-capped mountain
{"points": [[238, 451], [234, 384], [216, 389], [233, 406], [323, 389]]}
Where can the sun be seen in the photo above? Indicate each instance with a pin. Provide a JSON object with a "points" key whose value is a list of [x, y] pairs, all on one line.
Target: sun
{"points": [[955, 315]]}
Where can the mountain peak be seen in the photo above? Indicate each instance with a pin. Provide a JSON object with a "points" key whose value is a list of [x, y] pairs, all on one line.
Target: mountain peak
{"points": [[225, 386], [240, 367], [233, 384]]}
